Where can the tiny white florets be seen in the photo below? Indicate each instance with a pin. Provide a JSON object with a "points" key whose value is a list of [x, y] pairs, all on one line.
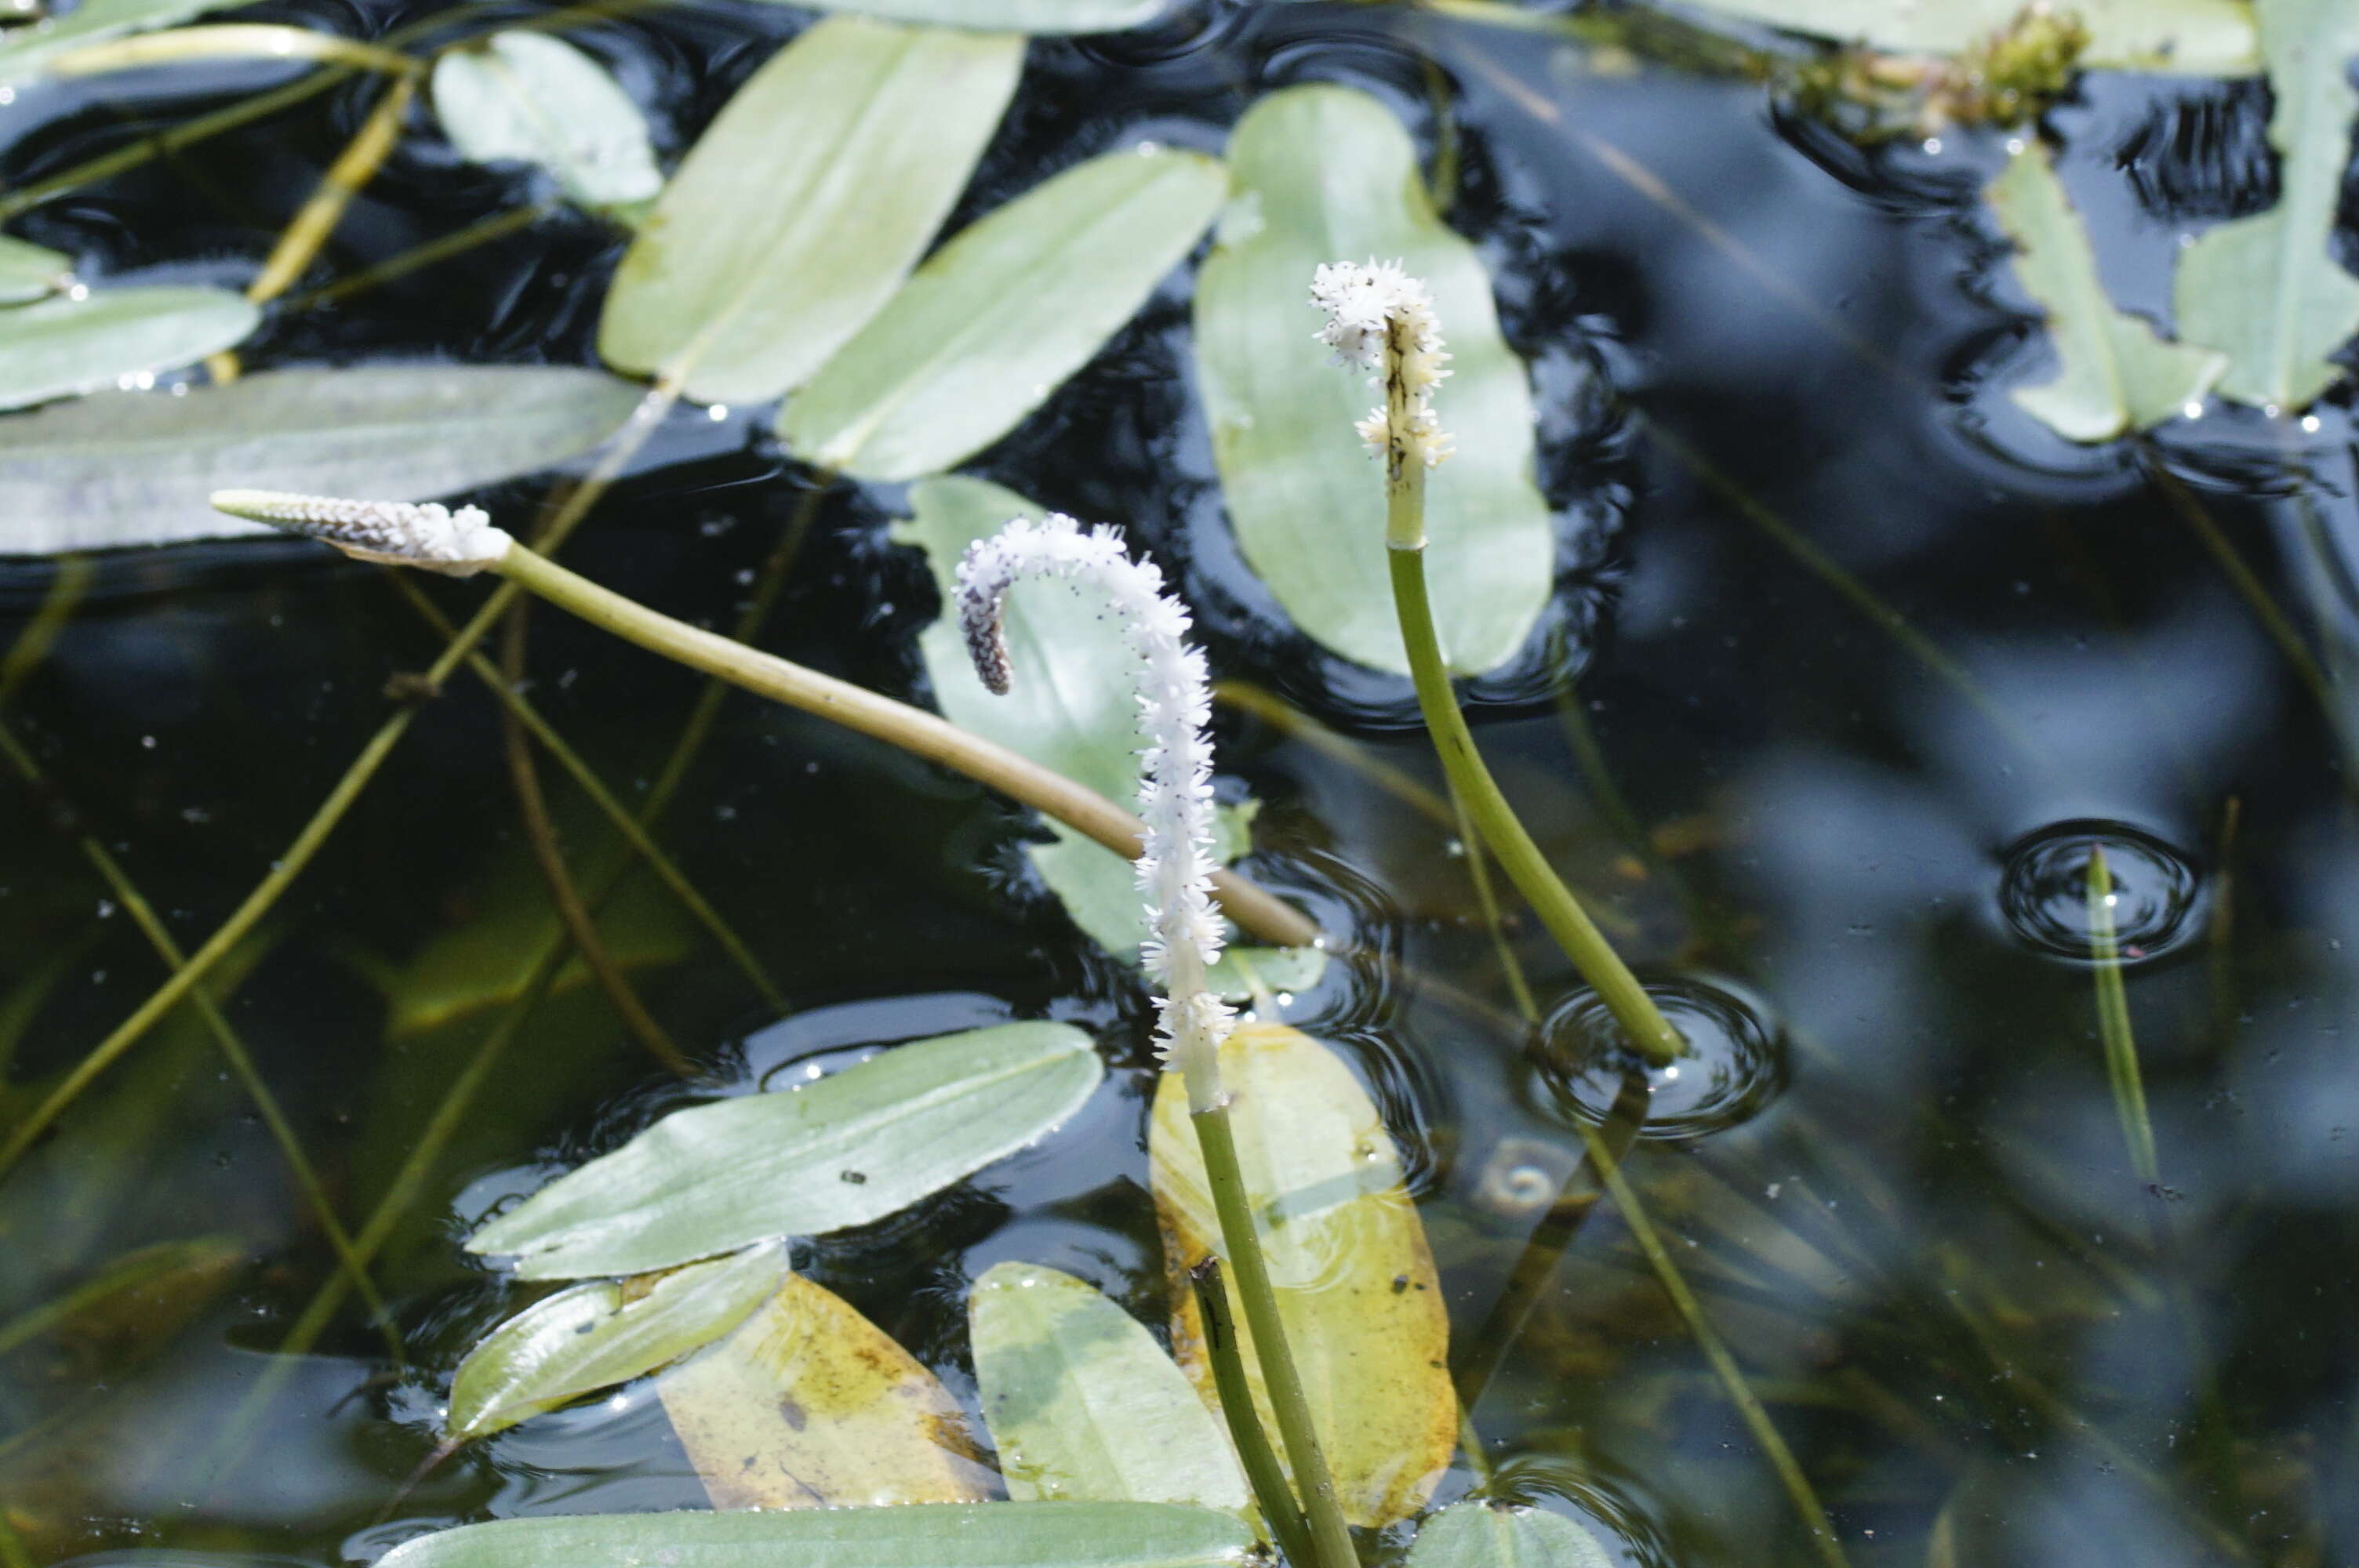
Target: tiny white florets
{"points": [[395, 532], [1381, 319]]}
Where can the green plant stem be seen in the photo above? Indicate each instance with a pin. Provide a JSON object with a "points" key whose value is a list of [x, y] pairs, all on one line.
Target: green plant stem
{"points": [[1330, 1538], [1478, 872], [1229, 1381], [1521, 859], [914, 731]]}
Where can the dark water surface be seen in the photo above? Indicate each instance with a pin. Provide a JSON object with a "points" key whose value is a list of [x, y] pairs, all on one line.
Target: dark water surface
{"points": [[1856, 829]]}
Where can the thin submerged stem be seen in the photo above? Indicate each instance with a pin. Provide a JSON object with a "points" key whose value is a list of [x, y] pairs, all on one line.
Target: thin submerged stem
{"points": [[1225, 1351]]}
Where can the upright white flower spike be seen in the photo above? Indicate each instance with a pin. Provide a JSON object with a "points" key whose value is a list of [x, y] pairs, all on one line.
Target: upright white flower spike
{"points": [[458, 543], [1175, 790], [1380, 319]]}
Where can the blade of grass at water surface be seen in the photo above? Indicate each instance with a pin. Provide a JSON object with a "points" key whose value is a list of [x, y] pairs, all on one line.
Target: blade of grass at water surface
{"points": [[2196, 37], [537, 100], [1045, 17], [227, 41], [585, 1338], [123, 468], [844, 1150], [1495, 1535], [809, 1405], [800, 212], [1318, 173], [72, 344], [1001, 316], [1354, 1279], [26, 52], [1083, 1405], [31, 272], [947, 1535]]}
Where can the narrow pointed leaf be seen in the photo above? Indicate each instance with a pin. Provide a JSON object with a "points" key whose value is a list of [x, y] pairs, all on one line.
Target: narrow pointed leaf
{"points": [[955, 1535], [809, 1405], [801, 210], [2116, 374], [63, 346], [1355, 1281], [26, 52], [2267, 289], [2197, 37], [846, 1150], [1047, 16], [534, 99], [1488, 1535], [135, 468], [29, 271], [1001, 316], [1083, 1404], [590, 1336], [1323, 174]]}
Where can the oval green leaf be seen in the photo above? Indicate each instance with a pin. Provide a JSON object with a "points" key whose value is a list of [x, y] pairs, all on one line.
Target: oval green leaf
{"points": [[847, 1150], [104, 337], [2267, 289], [135, 468], [801, 210], [944, 1535], [1355, 1281], [26, 52], [29, 271], [1324, 174], [593, 1335], [1489, 1535], [1048, 16], [2194, 38], [1001, 316], [809, 1405], [1083, 1404], [2116, 374], [534, 99]]}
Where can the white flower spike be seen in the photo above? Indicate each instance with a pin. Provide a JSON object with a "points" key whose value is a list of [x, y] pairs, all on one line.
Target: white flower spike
{"points": [[1380, 319], [1175, 791], [458, 544]]}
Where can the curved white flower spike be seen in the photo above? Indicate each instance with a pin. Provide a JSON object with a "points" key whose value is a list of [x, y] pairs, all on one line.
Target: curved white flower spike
{"points": [[1380, 319], [1175, 790], [458, 543]]}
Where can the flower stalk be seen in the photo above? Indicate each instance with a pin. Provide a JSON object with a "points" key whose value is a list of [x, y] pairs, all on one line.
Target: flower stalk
{"points": [[1382, 321]]}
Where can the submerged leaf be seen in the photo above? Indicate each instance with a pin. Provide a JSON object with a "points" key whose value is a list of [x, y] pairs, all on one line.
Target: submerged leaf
{"points": [[849, 1149], [948, 1535], [135, 468], [1001, 316], [29, 271], [805, 204], [539, 100], [588, 1338], [63, 346], [26, 51], [1047, 16], [1355, 1281], [2267, 288], [1325, 174], [809, 1405], [2197, 37], [1083, 1404], [2117, 374], [1490, 1535]]}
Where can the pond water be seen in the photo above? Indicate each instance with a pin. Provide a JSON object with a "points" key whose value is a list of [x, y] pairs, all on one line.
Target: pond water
{"points": [[1852, 666]]}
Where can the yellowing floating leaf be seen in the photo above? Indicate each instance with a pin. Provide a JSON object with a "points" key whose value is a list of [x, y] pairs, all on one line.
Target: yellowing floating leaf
{"points": [[1323, 174], [1001, 316], [1355, 1281], [2117, 374], [2197, 37], [593, 1335], [849, 1149], [1083, 1404], [2267, 289], [66, 345], [539, 100], [1492, 1535], [809, 1405], [803, 207]]}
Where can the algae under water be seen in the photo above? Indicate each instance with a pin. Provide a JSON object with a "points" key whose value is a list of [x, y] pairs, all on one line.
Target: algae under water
{"points": [[1850, 667]]}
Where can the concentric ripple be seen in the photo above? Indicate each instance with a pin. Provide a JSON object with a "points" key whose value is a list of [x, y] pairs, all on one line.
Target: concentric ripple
{"points": [[1735, 1062]]}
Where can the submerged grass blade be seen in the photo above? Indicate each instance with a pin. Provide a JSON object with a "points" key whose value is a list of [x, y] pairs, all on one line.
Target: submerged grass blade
{"points": [[2114, 1028]]}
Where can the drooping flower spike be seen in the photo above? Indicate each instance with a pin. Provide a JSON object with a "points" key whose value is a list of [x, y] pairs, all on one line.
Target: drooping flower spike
{"points": [[1381, 321], [396, 533], [1175, 792]]}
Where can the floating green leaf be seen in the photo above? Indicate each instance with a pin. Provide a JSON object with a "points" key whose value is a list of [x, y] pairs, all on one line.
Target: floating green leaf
{"points": [[944, 1535], [1069, 706], [539, 100], [26, 51], [2117, 374], [1490, 1535], [809, 1405], [1325, 174], [84, 342], [2197, 37], [29, 271], [1049, 16], [846, 1150], [1355, 1281], [1083, 1404], [2267, 289], [1001, 316], [593, 1335], [135, 467], [804, 206]]}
